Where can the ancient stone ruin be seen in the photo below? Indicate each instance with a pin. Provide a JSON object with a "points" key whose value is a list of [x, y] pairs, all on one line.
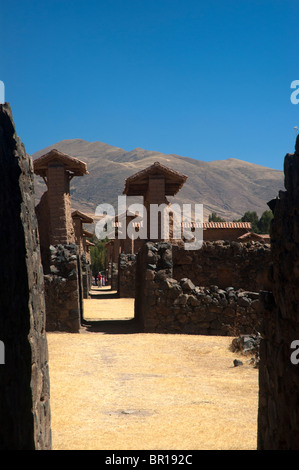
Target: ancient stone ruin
{"points": [[210, 265], [25, 421], [235, 283]]}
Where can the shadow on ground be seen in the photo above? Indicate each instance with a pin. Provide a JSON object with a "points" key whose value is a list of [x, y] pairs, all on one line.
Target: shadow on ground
{"points": [[112, 327], [103, 293]]}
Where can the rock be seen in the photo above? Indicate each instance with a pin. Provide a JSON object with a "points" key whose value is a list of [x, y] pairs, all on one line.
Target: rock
{"points": [[151, 266], [243, 301], [237, 363], [246, 343], [187, 285]]}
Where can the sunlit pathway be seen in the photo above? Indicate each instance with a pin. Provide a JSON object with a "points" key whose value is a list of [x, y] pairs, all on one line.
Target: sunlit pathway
{"points": [[148, 391], [105, 305]]}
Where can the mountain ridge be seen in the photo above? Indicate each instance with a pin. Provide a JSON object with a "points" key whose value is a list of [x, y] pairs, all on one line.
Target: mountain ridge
{"points": [[228, 187]]}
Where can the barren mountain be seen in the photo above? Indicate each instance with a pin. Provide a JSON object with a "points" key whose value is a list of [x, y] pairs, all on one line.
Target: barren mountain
{"points": [[228, 187]]}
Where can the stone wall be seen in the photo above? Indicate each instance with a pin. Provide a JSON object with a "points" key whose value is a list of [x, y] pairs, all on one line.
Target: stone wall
{"points": [[225, 264], [24, 378], [164, 304], [86, 276], [126, 275], [114, 276], [64, 290], [278, 420]]}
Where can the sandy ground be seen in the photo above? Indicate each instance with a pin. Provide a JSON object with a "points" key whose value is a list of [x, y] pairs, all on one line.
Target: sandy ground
{"points": [[117, 389]]}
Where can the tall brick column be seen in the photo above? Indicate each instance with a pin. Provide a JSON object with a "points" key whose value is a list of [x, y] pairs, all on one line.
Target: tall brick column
{"points": [[54, 209], [155, 194], [60, 255], [154, 184], [59, 203]]}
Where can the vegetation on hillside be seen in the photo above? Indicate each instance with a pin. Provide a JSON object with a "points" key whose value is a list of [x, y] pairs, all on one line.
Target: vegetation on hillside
{"points": [[215, 218], [258, 225]]}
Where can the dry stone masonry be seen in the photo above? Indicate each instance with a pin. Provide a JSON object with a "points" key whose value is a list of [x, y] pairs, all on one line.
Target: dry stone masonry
{"points": [[24, 378], [164, 304], [63, 290], [127, 275], [225, 263]]}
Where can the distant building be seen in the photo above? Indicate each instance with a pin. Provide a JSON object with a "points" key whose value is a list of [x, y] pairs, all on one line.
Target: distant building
{"points": [[255, 237], [231, 231]]}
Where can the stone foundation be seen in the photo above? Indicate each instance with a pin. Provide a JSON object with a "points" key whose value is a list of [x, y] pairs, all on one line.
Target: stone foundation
{"points": [[63, 290]]}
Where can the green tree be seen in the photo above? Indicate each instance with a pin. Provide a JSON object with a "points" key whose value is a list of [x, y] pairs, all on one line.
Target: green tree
{"points": [[253, 218], [98, 255], [264, 222], [215, 218]]}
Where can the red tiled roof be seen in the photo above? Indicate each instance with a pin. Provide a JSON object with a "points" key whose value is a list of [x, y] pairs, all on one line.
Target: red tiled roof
{"points": [[246, 225]]}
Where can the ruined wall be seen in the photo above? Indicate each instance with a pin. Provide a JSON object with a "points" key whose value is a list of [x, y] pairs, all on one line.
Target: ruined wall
{"points": [[44, 229], [225, 264], [24, 378], [164, 304], [126, 275], [64, 290], [278, 420], [86, 276], [114, 276]]}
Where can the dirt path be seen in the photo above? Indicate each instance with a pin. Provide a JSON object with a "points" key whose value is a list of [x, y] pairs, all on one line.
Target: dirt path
{"points": [[124, 391]]}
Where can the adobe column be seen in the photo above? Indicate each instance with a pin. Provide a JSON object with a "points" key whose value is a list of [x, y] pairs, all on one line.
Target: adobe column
{"points": [[155, 195], [59, 202]]}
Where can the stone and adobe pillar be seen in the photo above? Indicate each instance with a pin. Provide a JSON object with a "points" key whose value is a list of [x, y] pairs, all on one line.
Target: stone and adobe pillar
{"points": [[155, 183], [24, 377], [59, 203], [60, 254], [54, 212], [81, 234], [278, 416], [79, 219]]}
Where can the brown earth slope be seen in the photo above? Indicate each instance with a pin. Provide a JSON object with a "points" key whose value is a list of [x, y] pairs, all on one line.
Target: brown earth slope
{"points": [[229, 187]]}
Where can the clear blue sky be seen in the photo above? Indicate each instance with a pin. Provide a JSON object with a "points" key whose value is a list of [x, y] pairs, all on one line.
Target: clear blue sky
{"points": [[204, 79]]}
